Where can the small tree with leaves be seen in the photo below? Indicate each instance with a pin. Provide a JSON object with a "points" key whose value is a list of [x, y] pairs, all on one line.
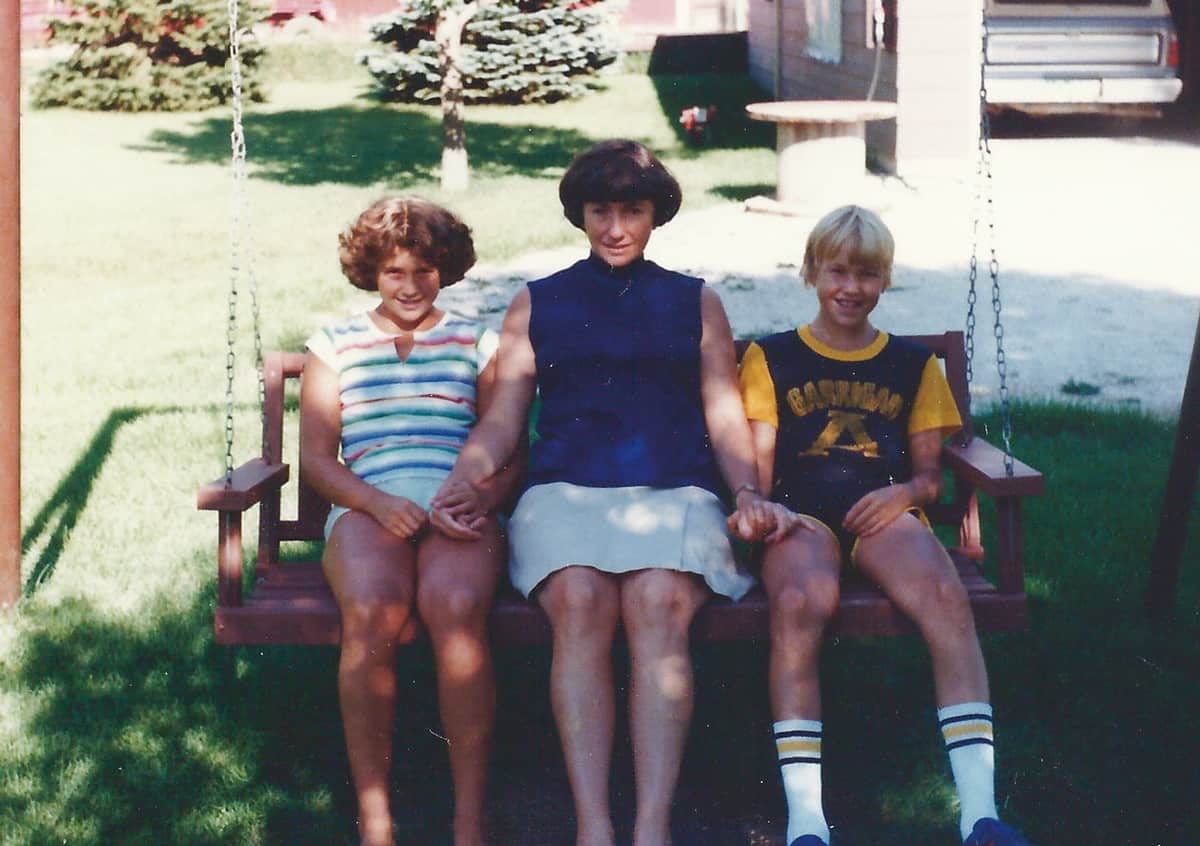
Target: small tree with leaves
{"points": [[147, 55]]}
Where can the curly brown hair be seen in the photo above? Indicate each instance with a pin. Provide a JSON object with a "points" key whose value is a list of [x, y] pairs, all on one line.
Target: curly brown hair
{"points": [[618, 170], [435, 234]]}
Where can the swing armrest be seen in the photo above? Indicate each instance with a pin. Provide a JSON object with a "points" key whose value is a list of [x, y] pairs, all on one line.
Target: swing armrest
{"points": [[982, 465], [247, 486]]}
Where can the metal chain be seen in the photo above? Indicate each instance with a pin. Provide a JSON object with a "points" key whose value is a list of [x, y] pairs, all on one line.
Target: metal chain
{"points": [[238, 256], [985, 207]]}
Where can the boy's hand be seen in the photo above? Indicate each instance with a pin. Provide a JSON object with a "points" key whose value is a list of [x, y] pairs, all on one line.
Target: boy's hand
{"points": [[753, 517], [878, 509], [398, 515], [787, 521]]}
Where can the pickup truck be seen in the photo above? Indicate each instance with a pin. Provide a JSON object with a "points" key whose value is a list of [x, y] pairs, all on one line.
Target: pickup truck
{"points": [[1113, 56]]}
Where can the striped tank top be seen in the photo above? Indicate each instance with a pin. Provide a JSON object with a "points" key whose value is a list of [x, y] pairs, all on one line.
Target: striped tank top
{"points": [[405, 418]]}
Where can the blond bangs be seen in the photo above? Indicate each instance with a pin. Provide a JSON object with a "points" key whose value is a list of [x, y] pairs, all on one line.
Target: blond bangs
{"points": [[860, 232]]}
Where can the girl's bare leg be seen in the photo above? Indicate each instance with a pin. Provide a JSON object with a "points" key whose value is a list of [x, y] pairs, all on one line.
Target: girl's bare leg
{"points": [[371, 572], [456, 583]]}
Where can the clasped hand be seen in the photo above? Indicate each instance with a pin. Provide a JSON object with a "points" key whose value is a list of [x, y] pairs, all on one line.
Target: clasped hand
{"points": [[458, 510], [759, 519]]}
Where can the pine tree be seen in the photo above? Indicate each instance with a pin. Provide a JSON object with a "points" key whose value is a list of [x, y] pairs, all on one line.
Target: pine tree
{"points": [[146, 55], [513, 51]]}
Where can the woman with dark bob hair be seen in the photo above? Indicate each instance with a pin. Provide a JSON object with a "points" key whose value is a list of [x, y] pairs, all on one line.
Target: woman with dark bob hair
{"points": [[641, 432], [388, 396]]}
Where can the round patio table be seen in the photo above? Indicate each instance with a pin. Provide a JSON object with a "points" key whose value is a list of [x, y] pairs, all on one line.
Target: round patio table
{"points": [[820, 143]]}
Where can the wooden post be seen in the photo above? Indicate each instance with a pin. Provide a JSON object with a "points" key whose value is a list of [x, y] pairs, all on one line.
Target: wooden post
{"points": [[938, 51], [1178, 495], [10, 305]]}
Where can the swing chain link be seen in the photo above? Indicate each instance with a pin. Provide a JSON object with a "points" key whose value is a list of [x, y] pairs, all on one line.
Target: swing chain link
{"points": [[238, 255], [985, 207]]}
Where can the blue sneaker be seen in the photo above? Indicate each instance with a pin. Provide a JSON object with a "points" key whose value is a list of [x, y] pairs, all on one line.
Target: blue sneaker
{"points": [[989, 831], [808, 840]]}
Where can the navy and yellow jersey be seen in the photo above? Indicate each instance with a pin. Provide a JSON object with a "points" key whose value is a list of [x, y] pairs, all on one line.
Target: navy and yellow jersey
{"points": [[843, 418]]}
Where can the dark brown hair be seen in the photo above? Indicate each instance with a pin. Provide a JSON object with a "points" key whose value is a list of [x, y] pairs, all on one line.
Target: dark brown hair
{"points": [[618, 170], [435, 234]]}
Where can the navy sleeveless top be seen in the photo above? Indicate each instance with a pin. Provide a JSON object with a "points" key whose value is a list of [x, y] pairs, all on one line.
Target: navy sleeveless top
{"points": [[618, 371]]}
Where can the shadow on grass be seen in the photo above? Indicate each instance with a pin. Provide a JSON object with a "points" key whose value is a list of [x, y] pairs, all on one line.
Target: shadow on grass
{"points": [[52, 524], [55, 520], [745, 191], [365, 145], [145, 731], [143, 734], [730, 94]]}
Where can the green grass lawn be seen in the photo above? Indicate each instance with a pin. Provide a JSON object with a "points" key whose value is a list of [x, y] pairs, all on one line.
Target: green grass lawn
{"points": [[122, 723]]}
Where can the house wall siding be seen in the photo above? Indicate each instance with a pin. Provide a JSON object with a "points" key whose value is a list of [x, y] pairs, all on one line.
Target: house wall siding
{"points": [[806, 78]]}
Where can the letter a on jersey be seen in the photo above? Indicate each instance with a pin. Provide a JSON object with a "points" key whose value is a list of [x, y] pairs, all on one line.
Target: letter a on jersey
{"points": [[845, 430]]}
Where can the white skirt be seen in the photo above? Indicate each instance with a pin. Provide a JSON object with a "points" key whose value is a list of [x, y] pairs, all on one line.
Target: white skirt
{"points": [[620, 530]]}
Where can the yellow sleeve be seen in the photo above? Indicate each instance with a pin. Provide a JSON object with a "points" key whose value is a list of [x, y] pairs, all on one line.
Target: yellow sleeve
{"points": [[934, 406], [757, 387]]}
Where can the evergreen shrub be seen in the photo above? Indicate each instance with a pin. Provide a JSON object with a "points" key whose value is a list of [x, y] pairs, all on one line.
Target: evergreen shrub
{"points": [[147, 55], [513, 51]]}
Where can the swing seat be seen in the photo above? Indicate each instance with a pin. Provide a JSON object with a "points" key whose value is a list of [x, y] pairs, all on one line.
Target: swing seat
{"points": [[288, 601]]}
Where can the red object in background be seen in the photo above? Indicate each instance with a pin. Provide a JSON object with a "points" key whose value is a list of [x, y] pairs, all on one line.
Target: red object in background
{"points": [[697, 121]]}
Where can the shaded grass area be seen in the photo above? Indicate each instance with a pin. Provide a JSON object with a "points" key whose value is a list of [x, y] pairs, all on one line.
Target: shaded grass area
{"points": [[343, 136], [131, 726]]}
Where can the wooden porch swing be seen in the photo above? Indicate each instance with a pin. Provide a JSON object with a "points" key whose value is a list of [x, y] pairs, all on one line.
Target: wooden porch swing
{"points": [[288, 602]]}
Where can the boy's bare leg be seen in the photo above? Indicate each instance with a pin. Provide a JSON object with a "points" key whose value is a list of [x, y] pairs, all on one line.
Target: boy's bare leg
{"points": [[800, 574], [913, 569], [910, 565], [455, 586], [801, 577], [657, 607], [584, 605], [371, 572]]}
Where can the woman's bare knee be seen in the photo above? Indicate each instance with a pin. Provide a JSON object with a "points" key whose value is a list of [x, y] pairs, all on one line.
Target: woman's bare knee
{"points": [[580, 598], [660, 599]]}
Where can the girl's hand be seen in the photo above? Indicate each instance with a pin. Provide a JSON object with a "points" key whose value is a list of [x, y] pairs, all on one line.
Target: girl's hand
{"points": [[398, 515], [878, 509]]}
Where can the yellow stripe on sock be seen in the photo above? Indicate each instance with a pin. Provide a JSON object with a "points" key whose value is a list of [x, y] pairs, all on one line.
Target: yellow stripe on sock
{"points": [[980, 729], [786, 747]]}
